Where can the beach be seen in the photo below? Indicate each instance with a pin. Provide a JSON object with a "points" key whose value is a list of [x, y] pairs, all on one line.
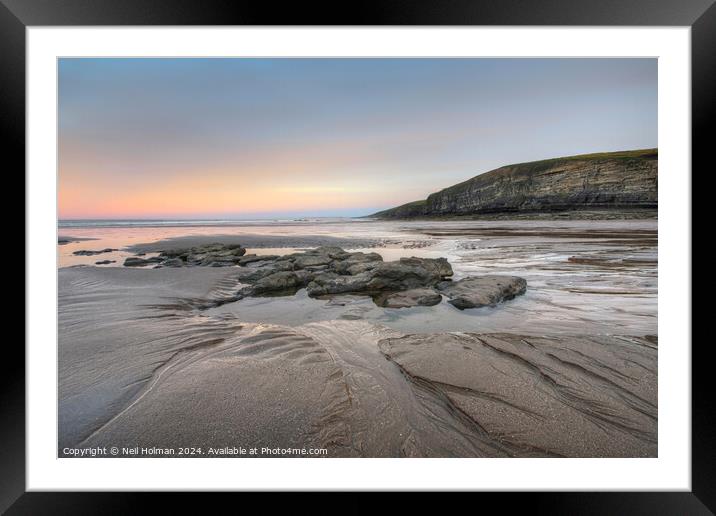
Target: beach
{"points": [[171, 357]]}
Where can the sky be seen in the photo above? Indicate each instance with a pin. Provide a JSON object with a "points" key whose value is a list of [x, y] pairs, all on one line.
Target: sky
{"points": [[267, 137]]}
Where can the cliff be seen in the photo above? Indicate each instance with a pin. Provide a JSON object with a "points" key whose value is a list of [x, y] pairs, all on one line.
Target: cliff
{"points": [[614, 180]]}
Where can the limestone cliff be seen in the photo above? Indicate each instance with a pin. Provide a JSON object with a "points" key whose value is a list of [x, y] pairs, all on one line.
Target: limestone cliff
{"points": [[615, 180]]}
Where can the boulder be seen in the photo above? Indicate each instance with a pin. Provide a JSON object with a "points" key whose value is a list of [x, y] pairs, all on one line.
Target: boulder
{"points": [[217, 262], [84, 252], [172, 253], [253, 274], [332, 283], [310, 260], [282, 265], [439, 266], [279, 282], [368, 274], [252, 258], [133, 261], [356, 268], [409, 298], [478, 291], [357, 262], [212, 255], [333, 252], [397, 276]]}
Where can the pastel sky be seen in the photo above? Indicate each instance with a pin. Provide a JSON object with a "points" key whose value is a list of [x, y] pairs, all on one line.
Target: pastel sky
{"points": [[238, 138]]}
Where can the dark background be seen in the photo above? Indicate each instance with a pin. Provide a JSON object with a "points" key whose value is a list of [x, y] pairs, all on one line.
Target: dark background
{"points": [[15, 15]]}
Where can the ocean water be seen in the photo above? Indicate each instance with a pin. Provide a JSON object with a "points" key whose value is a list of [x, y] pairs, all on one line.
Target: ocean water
{"points": [[129, 223]]}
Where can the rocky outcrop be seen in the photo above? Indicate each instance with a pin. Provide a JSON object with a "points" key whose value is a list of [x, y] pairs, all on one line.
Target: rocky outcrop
{"points": [[85, 252], [616, 180], [212, 255], [479, 291], [134, 261], [251, 258], [357, 263], [332, 283], [279, 283], [409, 298], [371, 276], [329, 271]]}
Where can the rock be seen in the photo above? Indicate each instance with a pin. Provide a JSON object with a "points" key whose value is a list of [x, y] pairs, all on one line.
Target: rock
{"points": [[173, 262], [332, 283], [215, 261], [212, 262], [357, 262], [309, 260], [172, 253], [84, 252], [253, 274], [478, 291], [362, 267], [333, 252], [614, 180], [397, 276], [369, 275], [251, 258], [133, 261], [439, 266], [230, 253], [409, 298], [211, 255], [327, 271], [282, 265], [104, 262], [279, 282]]}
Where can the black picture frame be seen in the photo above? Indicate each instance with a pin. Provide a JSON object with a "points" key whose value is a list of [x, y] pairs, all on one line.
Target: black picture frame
{"points": [[700, 15]]}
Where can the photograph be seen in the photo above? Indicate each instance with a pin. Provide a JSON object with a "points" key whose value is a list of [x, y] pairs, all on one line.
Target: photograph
{"points": [[357, 257]]}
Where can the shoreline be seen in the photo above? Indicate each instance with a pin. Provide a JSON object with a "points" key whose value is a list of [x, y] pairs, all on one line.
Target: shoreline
{"points": [[596, 215]]}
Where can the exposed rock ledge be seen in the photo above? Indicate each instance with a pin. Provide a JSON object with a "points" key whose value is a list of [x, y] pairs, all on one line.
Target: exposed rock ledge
{"points": [[327, 271]]}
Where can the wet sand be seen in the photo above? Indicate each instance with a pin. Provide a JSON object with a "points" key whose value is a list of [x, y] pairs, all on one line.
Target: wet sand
{"points": [[254, 242], [64, 239], [568, 369]]}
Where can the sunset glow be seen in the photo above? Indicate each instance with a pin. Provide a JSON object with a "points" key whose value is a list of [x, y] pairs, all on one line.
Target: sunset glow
{"points": [[232, 138]]}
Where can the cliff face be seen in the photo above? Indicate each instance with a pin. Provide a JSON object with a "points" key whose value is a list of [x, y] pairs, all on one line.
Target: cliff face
{"points": [[592, 181]]}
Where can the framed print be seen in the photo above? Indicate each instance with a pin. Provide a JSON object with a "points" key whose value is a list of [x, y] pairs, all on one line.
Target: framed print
{"points": [[424, 249]]}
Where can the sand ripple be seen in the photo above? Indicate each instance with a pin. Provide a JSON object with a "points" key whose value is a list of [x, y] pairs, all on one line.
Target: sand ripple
{"points": [[143, 363]]}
